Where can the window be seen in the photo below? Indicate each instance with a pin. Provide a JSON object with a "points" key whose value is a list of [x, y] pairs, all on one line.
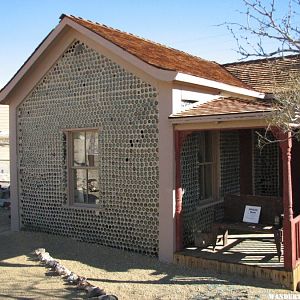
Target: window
{"points": [[207, 166], [185, 103], [83, 170]]}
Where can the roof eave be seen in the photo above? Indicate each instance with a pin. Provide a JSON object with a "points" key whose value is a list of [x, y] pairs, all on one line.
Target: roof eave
{"points": [[155, 72], [258, 115]]}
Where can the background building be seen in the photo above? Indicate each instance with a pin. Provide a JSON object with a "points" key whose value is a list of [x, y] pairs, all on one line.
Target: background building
{"points": [[4, 145]]}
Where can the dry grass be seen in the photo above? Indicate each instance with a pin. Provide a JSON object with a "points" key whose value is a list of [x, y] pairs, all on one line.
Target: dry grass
{"points": [[125, 274]]}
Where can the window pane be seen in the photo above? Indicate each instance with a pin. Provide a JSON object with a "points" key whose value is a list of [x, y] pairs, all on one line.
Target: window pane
{"points": [[93, 187], [205, 158], [79, 148], [92, 148], [201, 154], [201, 183], [80, 186], [84, 167], [208, 181], [208, 147]]}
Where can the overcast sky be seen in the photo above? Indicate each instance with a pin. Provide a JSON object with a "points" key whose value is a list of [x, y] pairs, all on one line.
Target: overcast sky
{"points": [[188, 25]]}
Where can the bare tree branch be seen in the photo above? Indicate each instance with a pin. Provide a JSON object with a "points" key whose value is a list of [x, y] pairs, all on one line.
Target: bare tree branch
{"points": [[265, 23]]}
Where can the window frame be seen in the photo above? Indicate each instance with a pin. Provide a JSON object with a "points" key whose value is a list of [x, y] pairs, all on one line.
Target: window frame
{"points": [[215, 170], [70, 168]]}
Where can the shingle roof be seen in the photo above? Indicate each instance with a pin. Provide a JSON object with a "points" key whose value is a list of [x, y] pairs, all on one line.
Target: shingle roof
{"points": [[264, 75], [224, 106], [161, 56]]}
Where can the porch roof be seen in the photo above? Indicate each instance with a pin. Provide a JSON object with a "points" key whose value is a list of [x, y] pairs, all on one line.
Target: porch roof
{"points": [[224, 106]]}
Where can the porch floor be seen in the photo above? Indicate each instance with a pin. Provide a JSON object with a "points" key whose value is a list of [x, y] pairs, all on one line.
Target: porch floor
{"points": [[247, 249]]}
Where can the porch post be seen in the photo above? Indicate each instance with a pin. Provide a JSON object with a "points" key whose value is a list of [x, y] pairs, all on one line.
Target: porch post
{"points": [[288, 228], [179, 137]]}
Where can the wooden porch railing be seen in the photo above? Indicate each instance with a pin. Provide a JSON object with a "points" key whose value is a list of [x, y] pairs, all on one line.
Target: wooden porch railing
{"points": [[295, 224]]}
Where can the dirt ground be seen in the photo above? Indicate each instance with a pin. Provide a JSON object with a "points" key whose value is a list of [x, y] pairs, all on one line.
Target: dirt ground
{"points": [[124, 274]]}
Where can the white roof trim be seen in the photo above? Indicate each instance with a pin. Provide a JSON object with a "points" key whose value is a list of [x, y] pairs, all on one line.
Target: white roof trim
{"points": [[217, 85]]}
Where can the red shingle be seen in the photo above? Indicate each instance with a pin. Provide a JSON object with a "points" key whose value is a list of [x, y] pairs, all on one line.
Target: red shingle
{"points": [[161, 56]]}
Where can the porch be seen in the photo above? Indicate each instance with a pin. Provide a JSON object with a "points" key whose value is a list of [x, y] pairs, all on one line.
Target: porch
{"points": [[242, 257], [246, 254], [248, 249], [276, 173]]}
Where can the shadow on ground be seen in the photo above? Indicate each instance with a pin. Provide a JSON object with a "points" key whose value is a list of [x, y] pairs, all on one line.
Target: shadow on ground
{"points": [[112, 260]]}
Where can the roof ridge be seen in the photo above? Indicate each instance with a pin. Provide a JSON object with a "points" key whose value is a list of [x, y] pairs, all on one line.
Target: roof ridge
{"points": [[139, 37], [266, 59]]}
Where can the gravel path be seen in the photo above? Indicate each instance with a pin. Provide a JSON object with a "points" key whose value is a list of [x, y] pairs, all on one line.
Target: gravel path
{"points": [[129, 276]]}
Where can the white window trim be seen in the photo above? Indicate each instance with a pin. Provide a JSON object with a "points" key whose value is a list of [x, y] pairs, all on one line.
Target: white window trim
{"points": [[215, 135]]}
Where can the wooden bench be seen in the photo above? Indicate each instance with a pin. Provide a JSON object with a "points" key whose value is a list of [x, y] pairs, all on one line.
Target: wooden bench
{"points": [[269, 221]]}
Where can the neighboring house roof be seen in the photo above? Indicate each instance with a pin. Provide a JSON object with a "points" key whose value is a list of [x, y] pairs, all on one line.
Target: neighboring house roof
{"points": [[224, 106], [267, 75], [161, 56]]}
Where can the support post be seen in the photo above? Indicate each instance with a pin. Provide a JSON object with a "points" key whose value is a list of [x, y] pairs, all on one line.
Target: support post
{"points": [[285, 140], [179, 138]]}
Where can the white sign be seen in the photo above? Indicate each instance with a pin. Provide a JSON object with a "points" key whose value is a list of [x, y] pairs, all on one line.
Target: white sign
{"points": [[251, 214]]}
